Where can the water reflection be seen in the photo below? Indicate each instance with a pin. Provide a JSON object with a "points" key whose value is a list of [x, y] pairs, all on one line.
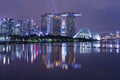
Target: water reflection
{"points": [[55, 55], [59, 55], [51, 55], [87, 47]]}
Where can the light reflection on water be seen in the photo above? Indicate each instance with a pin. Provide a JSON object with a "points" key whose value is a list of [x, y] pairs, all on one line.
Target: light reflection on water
{"points": [[52, 55]]}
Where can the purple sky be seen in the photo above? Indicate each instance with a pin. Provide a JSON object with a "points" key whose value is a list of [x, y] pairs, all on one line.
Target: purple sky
{"points": [[98, 15]]}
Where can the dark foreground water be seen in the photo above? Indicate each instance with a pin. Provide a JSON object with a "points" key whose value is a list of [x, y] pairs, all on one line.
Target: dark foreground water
{"points": [[58, 61]]}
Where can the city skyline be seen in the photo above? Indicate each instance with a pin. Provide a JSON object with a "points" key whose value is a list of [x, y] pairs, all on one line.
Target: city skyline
{"points": [[51, 24], [99, 16]]}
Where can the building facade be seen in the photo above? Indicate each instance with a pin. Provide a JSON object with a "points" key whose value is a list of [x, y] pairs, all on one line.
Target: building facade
{"points": [[46, 27], [57, 24], [29, 26], [7, 25], [64, 24], [71, 24]]}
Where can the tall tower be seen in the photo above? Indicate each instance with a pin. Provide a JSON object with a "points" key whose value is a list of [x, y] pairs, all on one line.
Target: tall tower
{"points": [[57, 24], [70, 21], [63, 28], [64, 24], [17, 30], [71, 24], [117, 33], [7, 26], [46, 27], [21, 27], [29, 26]]}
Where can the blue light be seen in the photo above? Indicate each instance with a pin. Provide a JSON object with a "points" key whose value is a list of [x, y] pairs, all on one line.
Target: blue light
{"points": [[26, 34], [46, 34], [76, 66]]}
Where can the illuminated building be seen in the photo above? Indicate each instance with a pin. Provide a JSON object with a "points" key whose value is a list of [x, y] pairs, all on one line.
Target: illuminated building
{"points": [[44, 24], [70, 22], [21, 27], [7, 25], [63, 28], [17, 30], [64, 24], [29, 26], [117, 33], [46, 27], [57, 24]]}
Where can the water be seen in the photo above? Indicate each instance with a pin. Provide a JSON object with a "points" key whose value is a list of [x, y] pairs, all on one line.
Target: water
{"points": [[59, 61]]}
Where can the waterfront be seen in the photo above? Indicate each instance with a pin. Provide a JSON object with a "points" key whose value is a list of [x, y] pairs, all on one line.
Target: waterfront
{"points": [[58, 61]]}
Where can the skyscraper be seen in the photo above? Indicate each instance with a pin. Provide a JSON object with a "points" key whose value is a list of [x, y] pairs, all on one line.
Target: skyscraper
{"points": [[57, 24], [64, 24], [63, 28], [46, 27], [71, 24], [17, 30], [29, 26], [7, 25]]}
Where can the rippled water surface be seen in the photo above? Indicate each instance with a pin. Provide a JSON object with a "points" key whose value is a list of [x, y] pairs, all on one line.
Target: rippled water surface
{"points": [[59, 61]]}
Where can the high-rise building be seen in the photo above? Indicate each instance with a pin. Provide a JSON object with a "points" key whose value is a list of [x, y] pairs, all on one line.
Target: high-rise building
{"points": [[57, 24], [7, 25], [46, 27], [63, 28], [71, 24], [29, 27], [43, 24], [17, 30], [64, 24], [117, 33]]}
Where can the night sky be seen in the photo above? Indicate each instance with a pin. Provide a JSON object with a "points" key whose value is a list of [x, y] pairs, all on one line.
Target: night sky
{"points": [[98, 15]]}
